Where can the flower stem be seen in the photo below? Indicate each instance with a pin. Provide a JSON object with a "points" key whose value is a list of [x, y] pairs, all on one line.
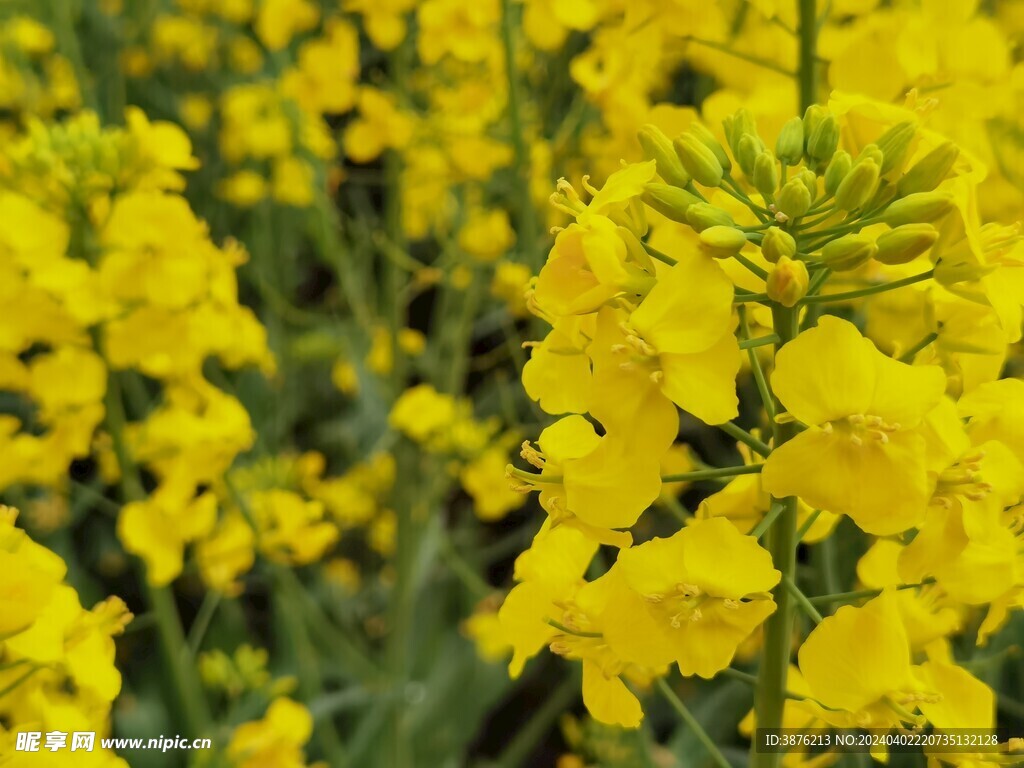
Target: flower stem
{"points": [[910, 354], [711, 474], [698, 730], [526, 223], [869, 291], [846, 597], [805, 605], [780, 540], [807, 66], [745, 437]]}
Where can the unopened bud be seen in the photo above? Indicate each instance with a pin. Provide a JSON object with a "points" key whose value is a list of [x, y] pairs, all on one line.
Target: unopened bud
{"points": [[766, 174], [894, 144], [701, 216], [750, 148], [905, 243], [722, 242], [930, 171], [812, 118], [787, 282], [658, 147], [823, 140], [838, 167], [707, 138], [794, 199], [848, 252], [736, 126], [777, 243], [790, 144], [871, 152], [809, 180], [858, 186], [671, 202], [918, 207], [699, 161]]}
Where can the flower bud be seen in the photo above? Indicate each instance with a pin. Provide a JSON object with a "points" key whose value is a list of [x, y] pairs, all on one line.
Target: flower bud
{"points": [[766, 174], [930, 171], [787, 282], [812, 118], [848, 252], [701, 216], [699, 161], [793, 199], [722, 242], [707, 138], [777, 243], [736, 127], [671, 202], [658, 147], [790, 144], [809, 180], [905, 243], [894, 144], [823, 140], [871, 152], [920, 206], [858, 186], [750, 147], [838, 167]]}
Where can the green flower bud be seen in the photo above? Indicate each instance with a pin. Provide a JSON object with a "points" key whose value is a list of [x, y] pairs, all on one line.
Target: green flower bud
{"points": [[658, 147], [920, 206], [812, 118], [930, 171], [787, 282], [669, 201], [858, 186], [790, 144], [894, 144], [707, 138], [794, 199], [871, 152], [823, 141], [838, 167], [736, 127], [776, 244], [749, 149], [722, 242], [766, 174], [699, 161], [809, 180], [703, 216], [848, 252], [905, 243]]}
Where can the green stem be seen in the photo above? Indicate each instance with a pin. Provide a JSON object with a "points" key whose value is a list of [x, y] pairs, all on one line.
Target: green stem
{"points": [[860, 293], [807, 66], [806, 525], [774, 511], [712, 474], [195, 713], [698, 730], [760, 341], [805, 605], [780, 540], [755, 366], [859, 594], [751, 266], [526, 739], [908, 356], [751, 680], [745, 437], [769, 65], [526, 224]]}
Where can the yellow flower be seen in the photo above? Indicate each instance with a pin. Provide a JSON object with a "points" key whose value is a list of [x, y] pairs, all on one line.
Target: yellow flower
{"points": [[864, 450], [484, 480], [278, 21], [691, 598], [487, 234], [276, 740]]}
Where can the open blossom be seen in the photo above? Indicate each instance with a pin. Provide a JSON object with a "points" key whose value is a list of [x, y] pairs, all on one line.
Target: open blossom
{"points": [[866, 439]]}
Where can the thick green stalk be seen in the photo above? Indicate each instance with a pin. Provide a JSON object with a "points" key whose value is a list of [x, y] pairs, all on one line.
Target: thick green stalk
{"points": [[807, 66], [780, 540], [526, 220], [195, 713]]}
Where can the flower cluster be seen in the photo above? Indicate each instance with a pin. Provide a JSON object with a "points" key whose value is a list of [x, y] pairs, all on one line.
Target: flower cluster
{"points": [[652, 292]]}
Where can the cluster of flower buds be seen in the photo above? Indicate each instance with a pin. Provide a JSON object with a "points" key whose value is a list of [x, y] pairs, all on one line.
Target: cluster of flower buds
{"points": [[809, 205]]}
